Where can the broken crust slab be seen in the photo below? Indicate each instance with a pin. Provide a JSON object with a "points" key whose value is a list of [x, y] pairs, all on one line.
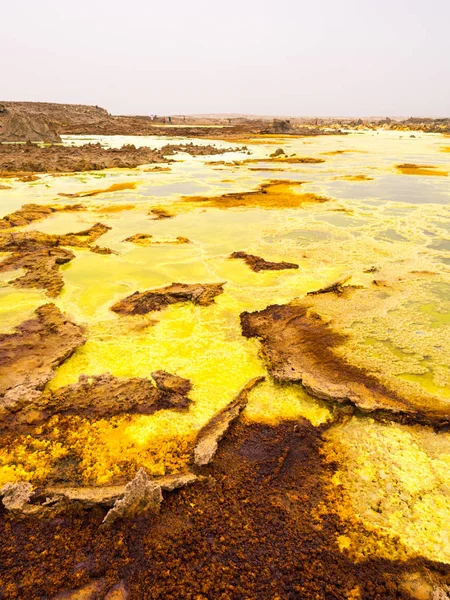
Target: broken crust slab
{"points": [[210, 435], [140, 303], [29, 213], [256, 263], [41, 269], [100, 396], [29, 356], [138, 495], [298, 346], [41, 254]]}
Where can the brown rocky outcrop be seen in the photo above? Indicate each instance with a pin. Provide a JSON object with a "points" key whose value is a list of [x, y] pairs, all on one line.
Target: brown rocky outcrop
{"points": [[140, 303], [22, 127], [256, 263]]}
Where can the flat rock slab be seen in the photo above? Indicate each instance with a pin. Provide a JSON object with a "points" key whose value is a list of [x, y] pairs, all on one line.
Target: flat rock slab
{"points": [[141, 303]]}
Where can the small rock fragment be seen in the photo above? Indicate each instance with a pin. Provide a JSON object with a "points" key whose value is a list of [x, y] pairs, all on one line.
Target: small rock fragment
{"points": [[16, 495], [141, 494]]}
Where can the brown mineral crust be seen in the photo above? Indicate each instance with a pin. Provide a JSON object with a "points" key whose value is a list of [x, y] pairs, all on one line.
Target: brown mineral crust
{"points": [[29, 356], [261, 525], [160, 214], [198, 150], [25, 241], [41, 268], [146, 239], [29, 158], [102, 250], [102, 396], [40, 254], [256, 263], [29, 213], [140, 303], [298, 346], [289, 160]]}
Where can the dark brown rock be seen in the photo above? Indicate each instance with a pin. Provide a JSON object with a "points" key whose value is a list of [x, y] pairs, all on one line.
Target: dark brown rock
{"points": [[141, 303], [256, 263]]}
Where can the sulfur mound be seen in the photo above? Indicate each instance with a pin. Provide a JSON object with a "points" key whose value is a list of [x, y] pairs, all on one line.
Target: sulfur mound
{"points": [[256, 263], [141, 303]]}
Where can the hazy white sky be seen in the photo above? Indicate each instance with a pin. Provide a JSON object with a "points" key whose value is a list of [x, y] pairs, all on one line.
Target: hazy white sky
{"points": [[286, 57]]}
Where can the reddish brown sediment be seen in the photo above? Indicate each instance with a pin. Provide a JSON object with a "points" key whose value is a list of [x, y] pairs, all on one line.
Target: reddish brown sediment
{"points": [[35, 240], [256, 263], [29, 356], [261, 524], [41, 254], [146, 239], [354, 178], [28, 213], [274, 194], [298, 346], [101, 396], [140, 303]]}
